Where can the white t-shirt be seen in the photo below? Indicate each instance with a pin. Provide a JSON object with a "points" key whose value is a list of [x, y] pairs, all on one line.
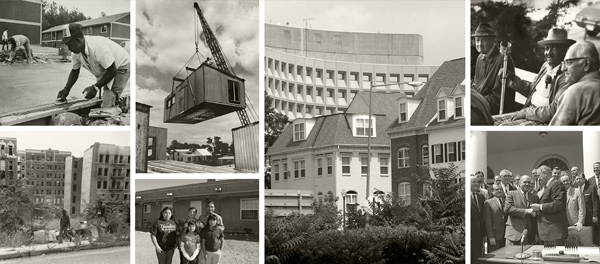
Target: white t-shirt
{"points": [[101, 53], [542, 91]]}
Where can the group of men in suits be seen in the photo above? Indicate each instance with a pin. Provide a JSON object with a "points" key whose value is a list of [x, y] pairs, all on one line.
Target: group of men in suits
{"points": [[540, 208]]}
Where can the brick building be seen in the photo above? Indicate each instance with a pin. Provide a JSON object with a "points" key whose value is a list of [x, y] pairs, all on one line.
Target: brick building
{"points": [[45, 174], [429, 130], [73, 179], [9, 168]]}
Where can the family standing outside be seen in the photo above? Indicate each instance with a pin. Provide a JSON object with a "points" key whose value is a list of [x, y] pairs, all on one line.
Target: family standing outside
{"points": [[199, 240]]}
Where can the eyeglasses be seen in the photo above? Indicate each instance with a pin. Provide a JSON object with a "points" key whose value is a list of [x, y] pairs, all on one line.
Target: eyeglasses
{"points": [[569, 62]]}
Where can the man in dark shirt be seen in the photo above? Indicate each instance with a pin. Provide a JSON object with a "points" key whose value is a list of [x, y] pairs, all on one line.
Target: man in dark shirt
{"points": [[489, 62]]}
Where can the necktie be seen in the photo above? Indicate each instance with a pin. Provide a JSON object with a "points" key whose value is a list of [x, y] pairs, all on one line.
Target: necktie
{"points": [[526, 200], [476, 202], [502, 204]]}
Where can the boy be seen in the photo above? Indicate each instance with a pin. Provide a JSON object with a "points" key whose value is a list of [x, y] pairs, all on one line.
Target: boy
{"points": [[213, 241]]}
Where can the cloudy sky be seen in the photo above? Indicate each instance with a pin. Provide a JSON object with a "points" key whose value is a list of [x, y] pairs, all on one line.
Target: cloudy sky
{"points": [[165, 42], [441, 23], [93, 8], [75, 141]]}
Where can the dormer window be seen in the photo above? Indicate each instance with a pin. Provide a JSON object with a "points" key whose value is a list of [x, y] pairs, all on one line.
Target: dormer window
{"points": [[299, 130], [361, 127], [458, 107], [403, 113], [442, 110]]}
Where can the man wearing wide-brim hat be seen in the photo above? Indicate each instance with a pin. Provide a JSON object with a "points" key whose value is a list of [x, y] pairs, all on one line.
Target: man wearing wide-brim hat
{"points": [[102, 57], [489, 62], [549, 84]]}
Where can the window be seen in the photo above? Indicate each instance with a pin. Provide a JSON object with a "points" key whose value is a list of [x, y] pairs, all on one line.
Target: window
{"points": [[233, 88], [296, 169], [362, 127], [329, 165], [302, 169], [403, 158], [364, 164], [351, 197], [403, 113], [384, 165], [345, 165], [438, 156], [121, 159], [425, 155], [285, 171], [89, 30], [461, 150], [249, 209], [319, 166], [276, 170], [106, 158], [404, 192], [74, 187], [101, 158], [105, 171], [299, 131], [442, 110], [147, 208], [451, 151], [104, 29], [458, 112]]}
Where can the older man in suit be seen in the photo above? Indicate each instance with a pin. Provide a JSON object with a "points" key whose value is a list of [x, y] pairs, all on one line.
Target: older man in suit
{"points": [[536, 182], [483, 187], [477, 220], [552, 216], [507, 178], [593, 184], [575, 204], [495, 219], [520, 214]]}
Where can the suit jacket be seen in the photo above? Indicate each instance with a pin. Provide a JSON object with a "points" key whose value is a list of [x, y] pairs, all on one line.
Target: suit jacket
{"points": [[477, 230], [537, 188], [575, 206], [552, 220], [487, 83], [580, 104], [558, 86], [486, 192], [518, 220], [495, 219], [591, 201]]}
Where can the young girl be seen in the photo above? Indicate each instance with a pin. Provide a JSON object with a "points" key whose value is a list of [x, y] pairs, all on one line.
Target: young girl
{"points": [[213, 241], [189, 244], [163, 236]]}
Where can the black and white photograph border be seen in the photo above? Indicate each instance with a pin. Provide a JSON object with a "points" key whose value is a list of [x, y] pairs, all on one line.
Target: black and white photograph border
{"points": [[521, 57], [235, 204], [197, 86], [46, 44], [65, 196]]}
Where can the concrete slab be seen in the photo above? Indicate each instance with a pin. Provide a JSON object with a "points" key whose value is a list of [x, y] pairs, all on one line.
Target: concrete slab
{"points": [[171, 166], [27, 85]]}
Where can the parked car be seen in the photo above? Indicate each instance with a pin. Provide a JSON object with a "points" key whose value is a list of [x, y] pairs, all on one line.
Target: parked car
{"points": [[589, 18]]}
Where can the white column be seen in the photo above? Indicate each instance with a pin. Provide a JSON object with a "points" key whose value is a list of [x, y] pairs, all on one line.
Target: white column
{"points": [[591, 151], [478, 154]]}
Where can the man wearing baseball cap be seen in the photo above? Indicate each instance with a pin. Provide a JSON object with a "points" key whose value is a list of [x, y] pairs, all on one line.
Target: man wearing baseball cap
{"points": [[102, 57], [549, 84], [489, 62]]}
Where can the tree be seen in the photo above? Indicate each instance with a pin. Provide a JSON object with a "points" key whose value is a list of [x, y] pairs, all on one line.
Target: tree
{"points": [[217, 147], [275, 123], [55, 15], [511, 23]]}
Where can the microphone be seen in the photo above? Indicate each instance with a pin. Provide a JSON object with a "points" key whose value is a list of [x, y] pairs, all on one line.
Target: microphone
{"points": [[525, 231], [523, 255]]}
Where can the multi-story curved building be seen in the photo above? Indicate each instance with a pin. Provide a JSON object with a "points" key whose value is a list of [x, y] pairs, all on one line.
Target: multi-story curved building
{"points": [[315, 72]]}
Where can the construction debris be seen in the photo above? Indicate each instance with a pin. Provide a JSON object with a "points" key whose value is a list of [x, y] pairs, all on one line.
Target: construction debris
{"points": [[107, 117], [67, 119]]}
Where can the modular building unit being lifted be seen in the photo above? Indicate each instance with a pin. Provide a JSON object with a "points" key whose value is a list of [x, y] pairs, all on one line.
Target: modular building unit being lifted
{"points": [[205, 94]]}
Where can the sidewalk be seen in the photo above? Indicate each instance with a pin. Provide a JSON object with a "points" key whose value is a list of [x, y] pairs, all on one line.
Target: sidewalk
{"points": [[53, 247]]}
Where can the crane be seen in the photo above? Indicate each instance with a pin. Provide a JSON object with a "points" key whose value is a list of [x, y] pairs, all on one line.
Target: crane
{"points": [[219, 58]]}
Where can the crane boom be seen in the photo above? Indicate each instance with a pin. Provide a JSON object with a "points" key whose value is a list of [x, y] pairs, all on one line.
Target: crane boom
{"points": [[219, 57], [212, 43]]}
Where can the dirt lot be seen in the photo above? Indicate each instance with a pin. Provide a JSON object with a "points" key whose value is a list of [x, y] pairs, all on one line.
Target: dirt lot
{"points": [[237, 250]]}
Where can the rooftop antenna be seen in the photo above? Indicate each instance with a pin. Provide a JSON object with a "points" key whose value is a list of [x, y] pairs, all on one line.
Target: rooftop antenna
{"points": [[306, 34]]}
